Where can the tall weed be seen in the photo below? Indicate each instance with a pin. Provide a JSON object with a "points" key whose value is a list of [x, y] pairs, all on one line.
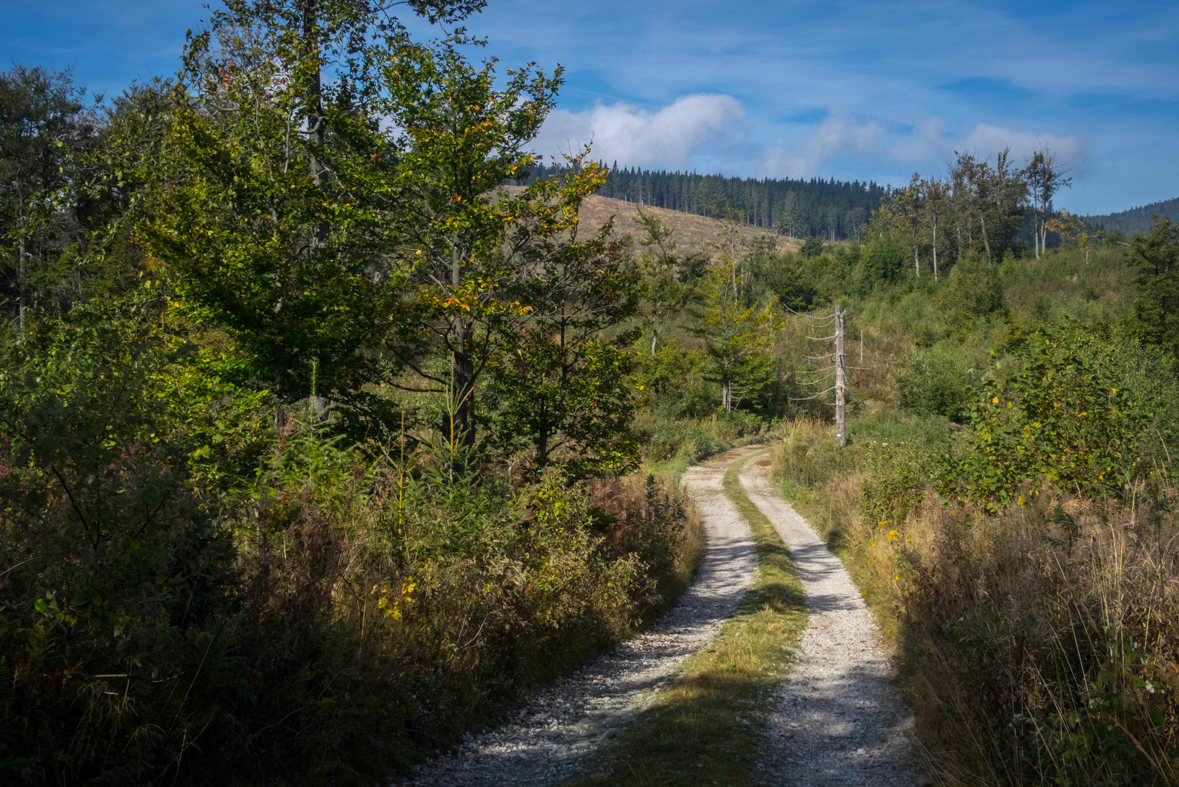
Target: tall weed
{"points": [[1036, 641]]}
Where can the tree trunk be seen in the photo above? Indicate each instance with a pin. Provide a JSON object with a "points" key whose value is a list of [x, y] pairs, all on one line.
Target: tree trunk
{"points": [[935, 247], [316, 119], [542, 445], [986, 244], [20, 287], [840, 381], [460, 429]]}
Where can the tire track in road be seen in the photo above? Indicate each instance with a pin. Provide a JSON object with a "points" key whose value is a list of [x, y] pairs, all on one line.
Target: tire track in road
{"points": [[839, 721]]}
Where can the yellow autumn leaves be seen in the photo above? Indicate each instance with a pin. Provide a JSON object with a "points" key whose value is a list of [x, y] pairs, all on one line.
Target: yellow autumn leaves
{"points": [[394, 604]]}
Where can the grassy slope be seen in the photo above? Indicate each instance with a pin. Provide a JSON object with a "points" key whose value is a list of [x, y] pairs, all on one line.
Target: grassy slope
{"points": [[705, 728], [692, 233]]}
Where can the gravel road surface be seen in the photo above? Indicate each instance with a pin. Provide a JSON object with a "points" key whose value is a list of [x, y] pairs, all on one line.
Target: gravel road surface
{"points": [[839, 721]]}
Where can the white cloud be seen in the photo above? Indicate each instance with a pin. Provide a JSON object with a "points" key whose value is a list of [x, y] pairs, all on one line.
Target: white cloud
{"points": [[927, 142], [838, 134], [666, 139], [987, 140], [925, 148], [693, 131]]}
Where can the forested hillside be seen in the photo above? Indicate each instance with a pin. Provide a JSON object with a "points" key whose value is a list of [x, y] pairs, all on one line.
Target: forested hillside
{"points": [[1134, 220], [320, 448]]}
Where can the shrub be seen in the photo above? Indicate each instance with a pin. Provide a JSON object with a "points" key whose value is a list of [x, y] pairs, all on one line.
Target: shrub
{"points": [[114, 577], [329, 620], [937, 381], [1066, 414]]}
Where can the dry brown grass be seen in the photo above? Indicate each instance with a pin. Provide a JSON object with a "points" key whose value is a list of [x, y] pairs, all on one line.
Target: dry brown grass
{"points": [[692, 233], [1038, 646]]}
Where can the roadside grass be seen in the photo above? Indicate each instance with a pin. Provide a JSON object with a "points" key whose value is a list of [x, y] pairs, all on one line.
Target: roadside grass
{"points": [[822, 482], [879, 599], [708, 725]]}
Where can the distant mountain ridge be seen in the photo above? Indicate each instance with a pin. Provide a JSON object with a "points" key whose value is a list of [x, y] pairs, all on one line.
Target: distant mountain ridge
{"points": [[1134, 220]]}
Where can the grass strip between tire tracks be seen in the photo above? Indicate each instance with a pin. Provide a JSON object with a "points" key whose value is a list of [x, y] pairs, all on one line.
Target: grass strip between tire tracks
{"points": [[706, 727]]}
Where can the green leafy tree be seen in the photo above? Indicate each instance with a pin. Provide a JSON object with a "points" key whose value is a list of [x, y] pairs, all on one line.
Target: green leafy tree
{"points": [[1044, 178], [562, 380], [452, 139], [1065, 416], [44, 130], [988, 202], [738, 335], [263, 238], [908, 207], [664, 294], [937, 193], [972, 292], [238, 218]]}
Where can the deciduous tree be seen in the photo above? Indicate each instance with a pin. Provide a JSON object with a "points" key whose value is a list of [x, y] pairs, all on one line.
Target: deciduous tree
{"points": [[664, 294], [561, 380], [1044, 178], [44, 129]]}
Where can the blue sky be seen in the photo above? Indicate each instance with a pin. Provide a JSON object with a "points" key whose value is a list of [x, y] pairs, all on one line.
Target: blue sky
{"points": [[851, 90]]}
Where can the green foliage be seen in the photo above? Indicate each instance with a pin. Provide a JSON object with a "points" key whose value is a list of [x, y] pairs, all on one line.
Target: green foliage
{"points": [[453, 137], [113, 569], [787, 278], [687, 441], [812, 247], [45, 134], [973, 293], [573, 401], [894, 487], [194, 587], [149, 627], [563, 372], [883, 261], [236, 220], [664, 293], [939, 380], [737, 335], [1065, 414], [1156, 255]]}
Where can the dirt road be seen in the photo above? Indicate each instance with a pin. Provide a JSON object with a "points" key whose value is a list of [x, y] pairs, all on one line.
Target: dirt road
{"points": [[838, 720]]}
